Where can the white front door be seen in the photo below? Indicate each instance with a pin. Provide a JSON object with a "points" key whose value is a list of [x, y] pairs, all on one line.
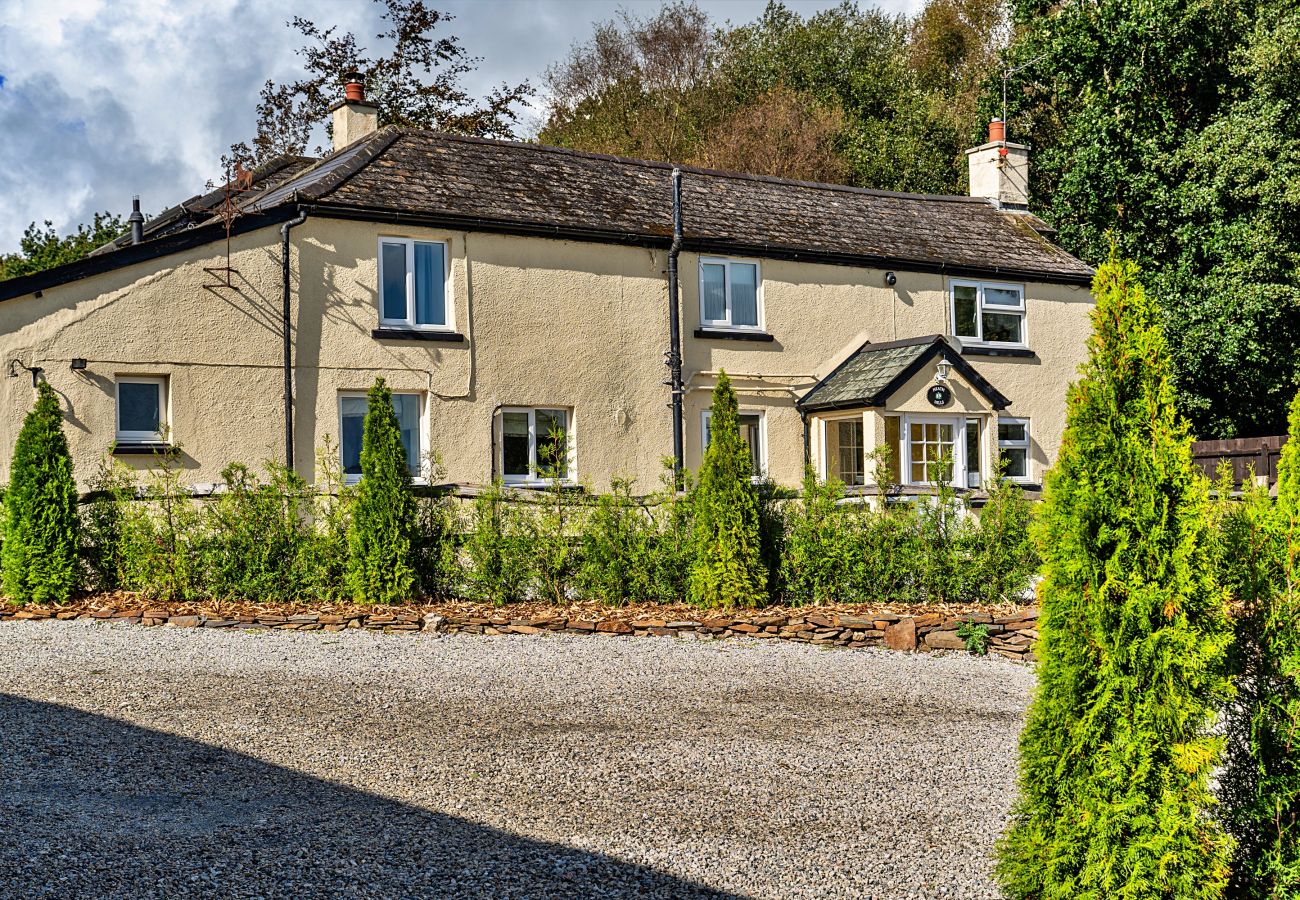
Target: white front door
{"points": [[931, 442]]}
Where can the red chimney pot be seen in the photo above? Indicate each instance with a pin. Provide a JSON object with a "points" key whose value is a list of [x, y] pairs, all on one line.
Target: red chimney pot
{"points": [[354, 89], [997, 131]]}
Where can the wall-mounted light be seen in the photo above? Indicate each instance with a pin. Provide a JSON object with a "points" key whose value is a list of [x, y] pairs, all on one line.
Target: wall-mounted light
{"points": [[16, 364], [941, 370], [78, 364], [891, 279]]}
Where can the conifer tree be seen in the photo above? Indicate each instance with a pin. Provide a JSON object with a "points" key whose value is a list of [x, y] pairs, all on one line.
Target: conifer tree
{"points": [[40, 509], [727, 568], [382, 535], [1115, 754], [1260, 784]]}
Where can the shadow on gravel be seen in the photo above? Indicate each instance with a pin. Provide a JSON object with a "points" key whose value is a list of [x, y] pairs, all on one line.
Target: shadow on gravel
{"points": [[94, 807]]}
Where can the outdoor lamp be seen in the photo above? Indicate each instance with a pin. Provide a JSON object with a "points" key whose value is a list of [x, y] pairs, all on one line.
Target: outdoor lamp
{"points": [[941, 370]]}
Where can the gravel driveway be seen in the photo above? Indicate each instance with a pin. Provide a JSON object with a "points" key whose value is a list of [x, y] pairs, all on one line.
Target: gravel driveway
{"points": [[161, 762]]}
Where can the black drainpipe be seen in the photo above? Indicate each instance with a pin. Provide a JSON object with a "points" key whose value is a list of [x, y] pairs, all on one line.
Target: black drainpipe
{"points": [[675, 330], [286, 324]]}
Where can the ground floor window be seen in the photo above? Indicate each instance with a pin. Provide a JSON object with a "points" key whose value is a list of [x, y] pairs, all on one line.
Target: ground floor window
{"points": [[352, 417], [845, 442], [753, 432], [141, 408], [931, 446], [1013, 447], [536, 445]]}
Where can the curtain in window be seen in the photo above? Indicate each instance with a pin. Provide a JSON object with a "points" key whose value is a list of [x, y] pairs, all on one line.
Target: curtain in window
{"points": [[744, 294], [394, 281], [713, 286], [430, 282], [407, 407]]}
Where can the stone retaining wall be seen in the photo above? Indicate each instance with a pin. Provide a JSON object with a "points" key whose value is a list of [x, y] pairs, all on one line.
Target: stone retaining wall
{"points": [[1013, 636]]}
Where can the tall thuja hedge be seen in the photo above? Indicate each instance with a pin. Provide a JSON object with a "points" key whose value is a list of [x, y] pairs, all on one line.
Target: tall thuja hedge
{"points": [[382, 535], [1260, 784], [40, 509], [1115, 755], [727, 569]]}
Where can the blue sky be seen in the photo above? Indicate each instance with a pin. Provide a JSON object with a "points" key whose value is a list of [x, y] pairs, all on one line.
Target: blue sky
{"points": [[101, 100]]}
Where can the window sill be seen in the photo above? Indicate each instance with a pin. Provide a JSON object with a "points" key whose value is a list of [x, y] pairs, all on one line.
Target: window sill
{"points": [[416, 334], [981, 350], [139, 448], [721, 334], [566, 486]]}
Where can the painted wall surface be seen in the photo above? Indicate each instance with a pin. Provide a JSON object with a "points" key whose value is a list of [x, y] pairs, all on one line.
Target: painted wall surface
{"points": [[546, 323]]}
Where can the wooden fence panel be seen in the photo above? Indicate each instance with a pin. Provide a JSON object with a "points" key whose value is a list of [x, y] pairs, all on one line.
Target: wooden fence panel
{"points": [[1246, 455]]}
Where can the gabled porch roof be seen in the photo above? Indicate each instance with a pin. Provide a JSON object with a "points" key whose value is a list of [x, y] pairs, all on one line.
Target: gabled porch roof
{"points": [[876, 371]]}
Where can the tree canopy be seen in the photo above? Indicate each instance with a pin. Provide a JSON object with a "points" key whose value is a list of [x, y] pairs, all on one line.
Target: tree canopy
{"points": [[43, 248]]}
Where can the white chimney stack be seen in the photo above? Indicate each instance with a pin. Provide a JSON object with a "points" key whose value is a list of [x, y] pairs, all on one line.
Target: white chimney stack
{"points": [[999, 171], [354, 118]]}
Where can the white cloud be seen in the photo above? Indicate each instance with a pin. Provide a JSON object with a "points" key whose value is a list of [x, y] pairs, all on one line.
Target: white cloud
{"points": [[102, 99]]}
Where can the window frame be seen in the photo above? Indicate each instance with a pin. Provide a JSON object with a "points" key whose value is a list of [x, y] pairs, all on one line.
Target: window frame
{"points": [[726, 324], [421, 454], [825, 423], [959, 466], [1026, 444], [533, 479], [705, 432], [1021, 310], [448, 307], [164, 410]]}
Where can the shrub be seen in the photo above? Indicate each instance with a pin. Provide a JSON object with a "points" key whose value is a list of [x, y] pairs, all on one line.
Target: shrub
{"points": [[161, 537], [331, 520], [1260, 784], [40, 509], [728, 568], [618, 548], [1002, 557], [382, 535], [672, 538], [494, 553], [259, 539], [823, 558], [102, 542], [1115, 754], [548, 530]]}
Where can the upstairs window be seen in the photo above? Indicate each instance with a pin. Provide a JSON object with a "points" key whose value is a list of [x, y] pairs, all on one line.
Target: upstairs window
{"points": [[1013, 447], [352, 420], [141, 409], [413, 284], [988, 313], [752, 431], [729, 294], [536, 445]]}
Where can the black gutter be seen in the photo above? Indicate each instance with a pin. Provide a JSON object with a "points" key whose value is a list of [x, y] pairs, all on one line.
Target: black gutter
{"points": [[719, 247], [138, 253], [675, 332], [286, 324]]}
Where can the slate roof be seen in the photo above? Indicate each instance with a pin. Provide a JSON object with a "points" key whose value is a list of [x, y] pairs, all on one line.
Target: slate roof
{"points": [[473, 182], [874, 371]]}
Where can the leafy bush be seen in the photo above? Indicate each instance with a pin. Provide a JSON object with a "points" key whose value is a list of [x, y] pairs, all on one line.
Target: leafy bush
{"points": [[161, 538], [672, 551], [824, 547], [381, 539], [1260, 783], [494, 551], [259, 539], [728, 568], [40, 509], [1002, 557], [618, 548], [102, 525], [547, 529], [1116, 754]]}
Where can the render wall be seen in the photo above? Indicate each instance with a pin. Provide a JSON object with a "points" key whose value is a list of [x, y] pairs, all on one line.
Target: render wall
{"points": [[546, 322]]}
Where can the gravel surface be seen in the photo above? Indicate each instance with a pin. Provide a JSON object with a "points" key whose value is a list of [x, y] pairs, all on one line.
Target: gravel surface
{"points": [[162, 762]]}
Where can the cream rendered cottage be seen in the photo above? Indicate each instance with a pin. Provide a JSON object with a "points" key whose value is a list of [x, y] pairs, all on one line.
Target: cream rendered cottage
{"points": [[510, 291]]}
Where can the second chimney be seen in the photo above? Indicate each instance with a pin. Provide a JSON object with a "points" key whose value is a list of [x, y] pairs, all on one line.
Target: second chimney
{"points": [[999, 170], [354, 118]]}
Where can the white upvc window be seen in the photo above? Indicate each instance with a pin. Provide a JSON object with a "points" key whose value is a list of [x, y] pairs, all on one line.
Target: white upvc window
{"points": [[844, 445], [537, 445], [753, 430], [730, 294], [410, 421], [989, 313], [142, 409], [1013, 447], [414, 285], [929, 441]]}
